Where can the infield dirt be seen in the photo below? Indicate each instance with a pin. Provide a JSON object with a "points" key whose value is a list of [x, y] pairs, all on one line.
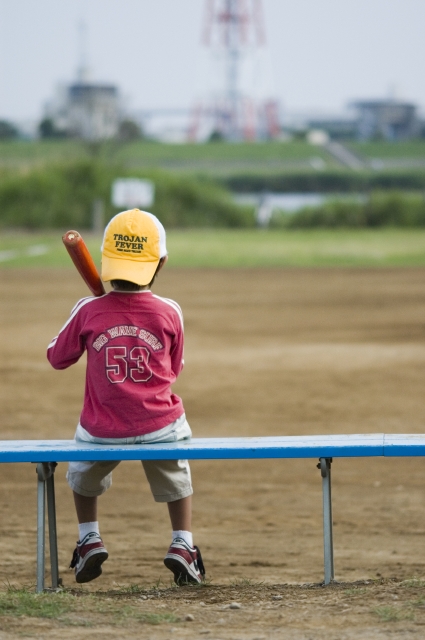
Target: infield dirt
{"points": [[273, 352]]}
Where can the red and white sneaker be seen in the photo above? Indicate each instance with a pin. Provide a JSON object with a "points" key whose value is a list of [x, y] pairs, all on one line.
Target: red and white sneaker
{"points": [[185, 562], [88, 557]]}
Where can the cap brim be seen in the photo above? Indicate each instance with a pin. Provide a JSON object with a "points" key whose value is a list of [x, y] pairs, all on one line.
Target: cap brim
{"points": [[124, 269]]}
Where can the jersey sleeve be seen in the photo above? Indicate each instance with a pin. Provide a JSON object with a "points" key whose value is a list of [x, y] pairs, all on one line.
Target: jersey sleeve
{"points": [[176, 352], [177, 348], [69, 345]]}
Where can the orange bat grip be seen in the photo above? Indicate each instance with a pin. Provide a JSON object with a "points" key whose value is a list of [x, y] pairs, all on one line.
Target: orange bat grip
{"points": [[83, 261]]}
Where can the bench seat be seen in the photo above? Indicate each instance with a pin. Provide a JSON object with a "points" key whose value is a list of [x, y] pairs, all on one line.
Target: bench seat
{"points": [[47, 453]]}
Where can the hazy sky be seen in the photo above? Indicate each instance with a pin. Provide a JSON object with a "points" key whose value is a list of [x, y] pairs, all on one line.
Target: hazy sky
{"points": [[324, 52]]}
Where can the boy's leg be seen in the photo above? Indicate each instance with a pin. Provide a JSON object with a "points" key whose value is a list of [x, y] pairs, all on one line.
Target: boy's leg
{"points": [[88, 480], [92, 478], [182, 558], [181, 514], [170, 482], [86, 508], [90, 553]]}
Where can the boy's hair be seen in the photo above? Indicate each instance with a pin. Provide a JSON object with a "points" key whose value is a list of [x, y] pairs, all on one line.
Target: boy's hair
{"points": [[126, 285]]}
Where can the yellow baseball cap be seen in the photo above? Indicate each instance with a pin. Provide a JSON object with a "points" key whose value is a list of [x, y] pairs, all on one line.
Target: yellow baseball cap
{"points": [[133, 244]]}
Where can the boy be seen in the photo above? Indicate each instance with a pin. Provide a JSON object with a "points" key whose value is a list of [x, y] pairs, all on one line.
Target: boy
{"points": [[134, 344]]}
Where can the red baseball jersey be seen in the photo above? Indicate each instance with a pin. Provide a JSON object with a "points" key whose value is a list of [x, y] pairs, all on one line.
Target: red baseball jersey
{"points": [[134, 344]]}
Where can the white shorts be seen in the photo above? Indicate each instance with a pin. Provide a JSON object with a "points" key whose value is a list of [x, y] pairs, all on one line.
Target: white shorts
{"points": [[169, 480]]}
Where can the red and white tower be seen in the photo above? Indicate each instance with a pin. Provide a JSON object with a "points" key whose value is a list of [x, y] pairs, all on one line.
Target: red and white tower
{"points": [[237, 103]]}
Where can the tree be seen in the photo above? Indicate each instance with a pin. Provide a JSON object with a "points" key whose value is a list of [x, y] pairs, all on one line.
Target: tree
{"points": [[48, 129], [8, 131], [129, 131], [216, 136]]}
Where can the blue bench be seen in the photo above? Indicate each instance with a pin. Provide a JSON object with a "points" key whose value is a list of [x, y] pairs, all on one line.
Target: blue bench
{"points": [[47, 453]]}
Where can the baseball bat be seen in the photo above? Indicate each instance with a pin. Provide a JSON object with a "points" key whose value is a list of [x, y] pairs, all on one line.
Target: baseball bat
{"points": [[83, 262]]}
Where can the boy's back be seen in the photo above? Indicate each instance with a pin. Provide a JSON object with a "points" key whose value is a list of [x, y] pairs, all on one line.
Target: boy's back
{"points": [[134, 344]]}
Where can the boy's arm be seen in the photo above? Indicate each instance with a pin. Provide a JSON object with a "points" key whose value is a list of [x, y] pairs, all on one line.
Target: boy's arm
{"points": [[68, 346]]}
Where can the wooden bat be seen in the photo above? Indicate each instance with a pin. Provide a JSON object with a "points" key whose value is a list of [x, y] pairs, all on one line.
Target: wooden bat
{"points": [[83, 261]]}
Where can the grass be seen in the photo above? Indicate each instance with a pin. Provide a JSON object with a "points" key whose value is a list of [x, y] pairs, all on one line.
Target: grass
{"points": [[221, 158], [276, 161], [355, 591], [25, 154], [246, 582], [248, 248], [79, 609], [390, 150], [215, 158], [413, 583], [199, 156], [20, 602], [390, 613], [384, 601]]}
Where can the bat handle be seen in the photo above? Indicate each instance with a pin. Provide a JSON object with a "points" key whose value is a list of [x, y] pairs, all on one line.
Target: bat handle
{"points": [[80, 256]]}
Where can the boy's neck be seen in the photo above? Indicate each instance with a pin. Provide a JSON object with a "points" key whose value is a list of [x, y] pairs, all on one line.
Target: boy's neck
{"points": [[141, 288], [147, 288]]}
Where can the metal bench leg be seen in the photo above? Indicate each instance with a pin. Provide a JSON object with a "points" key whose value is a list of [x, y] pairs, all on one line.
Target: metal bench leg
{"points": [[41, 518], [53, 539], [325, 469], [45, 484]]}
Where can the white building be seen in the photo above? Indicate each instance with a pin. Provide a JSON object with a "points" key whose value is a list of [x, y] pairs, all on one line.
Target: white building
{"points": [[85, 109], [92, 111]]}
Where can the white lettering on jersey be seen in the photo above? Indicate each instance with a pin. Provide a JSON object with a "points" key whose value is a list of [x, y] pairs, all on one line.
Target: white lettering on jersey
{"points": [[126, 330]]}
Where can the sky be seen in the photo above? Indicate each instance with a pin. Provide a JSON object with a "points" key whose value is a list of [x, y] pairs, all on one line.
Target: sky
{"points": [[323, 53]]}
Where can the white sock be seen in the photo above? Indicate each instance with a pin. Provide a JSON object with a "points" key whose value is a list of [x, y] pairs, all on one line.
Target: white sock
{"points": [[87, 527], [186, 535]]}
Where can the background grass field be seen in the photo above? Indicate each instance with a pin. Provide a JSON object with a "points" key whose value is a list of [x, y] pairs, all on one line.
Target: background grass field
{"points": [[216, 159], [242, 248], [179, 157], [401, 150]]}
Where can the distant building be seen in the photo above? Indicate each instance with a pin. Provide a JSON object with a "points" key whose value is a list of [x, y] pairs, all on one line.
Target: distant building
{"points": [[386, 119], [372, 120], [92, 111], [85, 109]]}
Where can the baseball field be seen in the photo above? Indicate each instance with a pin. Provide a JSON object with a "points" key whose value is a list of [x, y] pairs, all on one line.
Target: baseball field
{"points": [[272, 351]]}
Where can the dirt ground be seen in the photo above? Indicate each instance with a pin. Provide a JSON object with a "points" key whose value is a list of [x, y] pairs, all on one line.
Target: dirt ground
{"points": [[273, 352]]}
